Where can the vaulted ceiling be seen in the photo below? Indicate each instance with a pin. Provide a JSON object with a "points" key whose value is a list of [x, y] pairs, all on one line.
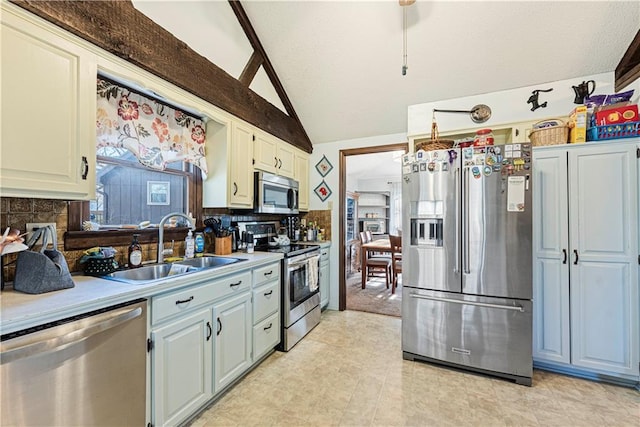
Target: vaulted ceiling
{"points": [[340, 61]]}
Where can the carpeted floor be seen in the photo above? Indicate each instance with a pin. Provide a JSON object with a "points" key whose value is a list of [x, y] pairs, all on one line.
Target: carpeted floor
{"points": [[375, 298]]}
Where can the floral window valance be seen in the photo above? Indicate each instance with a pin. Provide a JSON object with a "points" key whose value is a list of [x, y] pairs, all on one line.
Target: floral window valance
{"points": [[154, 132]]}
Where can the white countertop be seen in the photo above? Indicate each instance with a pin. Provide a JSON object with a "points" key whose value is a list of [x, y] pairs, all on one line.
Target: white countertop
{"points": [[20, 311]]}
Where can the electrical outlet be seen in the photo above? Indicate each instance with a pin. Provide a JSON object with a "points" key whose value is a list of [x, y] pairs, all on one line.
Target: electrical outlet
{"points": [[33, 226]]}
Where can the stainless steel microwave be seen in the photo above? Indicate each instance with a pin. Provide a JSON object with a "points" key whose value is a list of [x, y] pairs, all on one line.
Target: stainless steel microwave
{"points": [[275, 194]]}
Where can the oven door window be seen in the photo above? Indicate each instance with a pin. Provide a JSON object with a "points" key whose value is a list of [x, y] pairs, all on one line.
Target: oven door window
{"points": [[299, 285]]}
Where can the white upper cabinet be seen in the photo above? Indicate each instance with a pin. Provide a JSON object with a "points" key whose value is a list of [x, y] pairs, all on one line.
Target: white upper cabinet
{"points": [[301, 174], [48, 94], [273, 155], [229, 158]]}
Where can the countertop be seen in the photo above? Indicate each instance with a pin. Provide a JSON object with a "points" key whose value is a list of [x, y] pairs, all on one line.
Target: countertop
{"points": [[321, 243], [20, 311]]}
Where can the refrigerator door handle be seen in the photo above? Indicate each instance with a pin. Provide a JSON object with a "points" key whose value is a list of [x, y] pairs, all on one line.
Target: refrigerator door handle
{"points": [[456, 184], [479, 304], [465, 213]]}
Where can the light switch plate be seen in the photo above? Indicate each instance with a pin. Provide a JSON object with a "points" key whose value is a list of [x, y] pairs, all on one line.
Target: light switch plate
{"points": [[33, 226]]}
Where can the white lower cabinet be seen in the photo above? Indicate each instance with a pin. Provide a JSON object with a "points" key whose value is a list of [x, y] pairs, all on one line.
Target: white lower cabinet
{"points": [[205, 336], [233, 339], [182, 367], [324, 277], [586, 298]]}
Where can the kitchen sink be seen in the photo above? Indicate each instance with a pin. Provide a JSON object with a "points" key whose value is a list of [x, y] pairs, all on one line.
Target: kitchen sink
{"points": [[151, 273], [145, 274], [209, 261]]}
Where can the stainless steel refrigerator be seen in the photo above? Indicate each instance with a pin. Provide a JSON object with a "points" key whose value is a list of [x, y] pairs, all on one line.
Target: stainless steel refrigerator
{"points": [[467, 259]]}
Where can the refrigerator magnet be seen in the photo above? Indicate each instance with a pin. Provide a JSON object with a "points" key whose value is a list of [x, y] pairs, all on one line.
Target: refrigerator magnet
{"points": [[476, 172], [487, 170]]}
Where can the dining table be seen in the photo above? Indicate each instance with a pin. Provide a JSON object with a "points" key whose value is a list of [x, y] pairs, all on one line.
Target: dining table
{"points": [[379, 245]]}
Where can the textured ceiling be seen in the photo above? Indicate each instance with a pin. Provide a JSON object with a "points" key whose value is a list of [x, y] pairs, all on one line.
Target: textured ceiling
{"points": [[340, 61]]}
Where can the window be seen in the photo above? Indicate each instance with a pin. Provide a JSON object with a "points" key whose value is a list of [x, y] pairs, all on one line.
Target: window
{"points": [[150, 161]]}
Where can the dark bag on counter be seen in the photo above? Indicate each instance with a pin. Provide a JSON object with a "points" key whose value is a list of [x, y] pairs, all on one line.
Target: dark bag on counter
{"points": [[43, 271]]}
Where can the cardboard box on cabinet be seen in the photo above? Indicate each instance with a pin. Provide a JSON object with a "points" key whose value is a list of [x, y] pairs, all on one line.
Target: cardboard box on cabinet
{"points": [[615, 115], [578, 125]]}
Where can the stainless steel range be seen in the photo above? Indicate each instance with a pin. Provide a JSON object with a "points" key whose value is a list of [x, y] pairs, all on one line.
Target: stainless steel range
{"points": [[300, 310]]}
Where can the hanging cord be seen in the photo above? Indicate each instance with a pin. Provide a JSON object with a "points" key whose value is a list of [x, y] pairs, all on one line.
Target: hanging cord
{"points": [[404, 41], [434, 128]]}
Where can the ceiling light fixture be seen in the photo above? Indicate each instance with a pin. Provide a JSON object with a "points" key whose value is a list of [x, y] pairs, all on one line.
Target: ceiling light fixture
{"points": [[404, 3]]}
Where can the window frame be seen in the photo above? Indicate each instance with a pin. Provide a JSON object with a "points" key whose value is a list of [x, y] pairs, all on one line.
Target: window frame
{"points": [[78, 211]]}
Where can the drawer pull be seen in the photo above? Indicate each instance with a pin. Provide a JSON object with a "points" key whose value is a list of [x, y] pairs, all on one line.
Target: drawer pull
{"points": [[266, 328], [235, 284], [183, 301], [268, 273], [266, 294], [219, 327]]}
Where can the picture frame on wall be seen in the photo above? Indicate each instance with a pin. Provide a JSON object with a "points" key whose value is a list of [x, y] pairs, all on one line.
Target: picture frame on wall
{"points": [[158, 193], [324, 166]]}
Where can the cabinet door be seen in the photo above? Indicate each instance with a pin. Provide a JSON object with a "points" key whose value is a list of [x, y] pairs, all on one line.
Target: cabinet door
{"points": [[48, 113], [604, 271], [241, 172], [266, 153], [286, 160], [302, 176], [551, 330], [324, 284], [182, 364], [233, 339]]}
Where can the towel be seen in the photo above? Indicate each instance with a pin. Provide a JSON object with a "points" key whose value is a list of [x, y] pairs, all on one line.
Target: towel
{"points": [[312, 277]]}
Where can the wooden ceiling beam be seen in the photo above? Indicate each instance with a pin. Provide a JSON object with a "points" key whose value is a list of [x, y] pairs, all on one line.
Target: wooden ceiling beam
{"points": [[243, 19], [119, 28], [628, 69], [250, 70]]}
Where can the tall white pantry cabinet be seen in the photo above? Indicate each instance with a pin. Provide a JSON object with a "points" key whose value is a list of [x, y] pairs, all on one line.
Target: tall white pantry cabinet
{"points": [[586, 258]]}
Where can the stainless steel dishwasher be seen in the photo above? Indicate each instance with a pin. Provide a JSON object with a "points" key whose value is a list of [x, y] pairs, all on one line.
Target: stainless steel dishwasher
{"points": [[88, 370]]}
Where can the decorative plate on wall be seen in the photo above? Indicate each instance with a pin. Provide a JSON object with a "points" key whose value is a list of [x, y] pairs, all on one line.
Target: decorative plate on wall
{"points": [[324, 166], [322, 191]]}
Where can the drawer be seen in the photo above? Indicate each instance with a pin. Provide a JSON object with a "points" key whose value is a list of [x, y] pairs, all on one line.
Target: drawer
{"points": [[266, 335], [266, 300], [266, 274], [324, 255], [165, 306]]}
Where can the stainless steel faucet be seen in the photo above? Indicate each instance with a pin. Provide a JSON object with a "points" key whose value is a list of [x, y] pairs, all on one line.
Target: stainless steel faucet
{"points": [[161, 231]]}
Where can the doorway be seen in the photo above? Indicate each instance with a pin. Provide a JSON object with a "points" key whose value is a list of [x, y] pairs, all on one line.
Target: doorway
{"points": [[342, 262]]}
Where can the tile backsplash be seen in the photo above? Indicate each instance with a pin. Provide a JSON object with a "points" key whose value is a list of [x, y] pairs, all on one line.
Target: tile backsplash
{"points": [[17, 212]]}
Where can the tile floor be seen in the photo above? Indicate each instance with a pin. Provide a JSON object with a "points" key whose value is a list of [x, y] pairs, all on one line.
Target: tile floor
{"points": [[349, 371]]}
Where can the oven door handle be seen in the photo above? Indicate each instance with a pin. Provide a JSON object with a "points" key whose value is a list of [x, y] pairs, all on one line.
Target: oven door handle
{"points": [[294, 265]]}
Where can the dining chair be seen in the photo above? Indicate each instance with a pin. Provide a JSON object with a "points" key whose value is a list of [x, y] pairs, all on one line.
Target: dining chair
{"points": [[396, 259], [374, 264]]}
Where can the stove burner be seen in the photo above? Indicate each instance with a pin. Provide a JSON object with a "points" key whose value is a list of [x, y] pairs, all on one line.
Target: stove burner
{"points": [[288, 251]]}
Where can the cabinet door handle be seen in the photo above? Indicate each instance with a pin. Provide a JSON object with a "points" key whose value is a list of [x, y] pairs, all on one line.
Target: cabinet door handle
{"points": [[564, 255], [268, 273], [575, 252], [209, 331], [279, 163], [235, 188], [85, 168], [276, 164], [219, 327], [266, 328], [266, 294], [182, 301], [235, 284]]}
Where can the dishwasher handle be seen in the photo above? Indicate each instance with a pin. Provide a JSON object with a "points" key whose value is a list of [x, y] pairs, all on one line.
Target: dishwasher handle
{"points": [[102, 323]]}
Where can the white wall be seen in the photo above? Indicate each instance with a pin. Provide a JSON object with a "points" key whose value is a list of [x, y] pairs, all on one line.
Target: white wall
{"points": [[509, 106]]}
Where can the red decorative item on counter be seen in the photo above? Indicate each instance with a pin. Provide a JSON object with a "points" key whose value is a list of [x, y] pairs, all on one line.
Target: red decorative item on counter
{"points": [[483, 137]]}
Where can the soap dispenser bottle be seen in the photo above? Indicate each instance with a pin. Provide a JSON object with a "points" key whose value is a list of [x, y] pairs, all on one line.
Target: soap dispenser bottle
{"points": [[189, 246], [135, 253]]}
